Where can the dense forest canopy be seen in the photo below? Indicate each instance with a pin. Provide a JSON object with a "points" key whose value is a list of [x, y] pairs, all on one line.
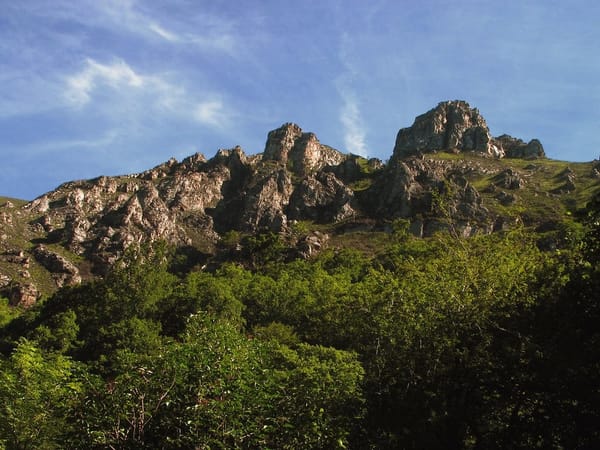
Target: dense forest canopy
{"points": [[487, 342]]}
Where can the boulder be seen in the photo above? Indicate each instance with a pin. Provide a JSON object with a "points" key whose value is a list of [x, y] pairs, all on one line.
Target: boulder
{"points": [[311, 244], [509, 179], [23, 295]]}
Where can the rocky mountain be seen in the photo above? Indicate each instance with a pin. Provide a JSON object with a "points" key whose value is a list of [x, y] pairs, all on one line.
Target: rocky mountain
{"points": [[446, 172], [455, 127]]}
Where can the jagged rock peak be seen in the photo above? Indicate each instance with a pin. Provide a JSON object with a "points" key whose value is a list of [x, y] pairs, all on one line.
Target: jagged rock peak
{"points": [[281, 141], [450, 126], [456, 127], [301, 152]]}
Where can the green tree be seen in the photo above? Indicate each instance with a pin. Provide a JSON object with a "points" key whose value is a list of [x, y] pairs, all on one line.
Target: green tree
{"points": [[38, 395], [320, 400]]}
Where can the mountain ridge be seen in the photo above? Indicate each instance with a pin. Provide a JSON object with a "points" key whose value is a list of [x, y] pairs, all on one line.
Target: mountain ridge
{"points": [[446, 172]]}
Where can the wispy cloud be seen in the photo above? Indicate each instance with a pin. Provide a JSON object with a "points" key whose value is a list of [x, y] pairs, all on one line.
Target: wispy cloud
{"points": [[141, 94], [91, 143], [165, 34], [211, 112], [127, 15], [354, 133], [118, 75], [350, 115], [142, 20]]}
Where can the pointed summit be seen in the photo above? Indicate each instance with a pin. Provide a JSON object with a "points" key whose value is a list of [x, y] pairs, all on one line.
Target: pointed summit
{"points": [[450, 126], [280, 141], [301, 152]]}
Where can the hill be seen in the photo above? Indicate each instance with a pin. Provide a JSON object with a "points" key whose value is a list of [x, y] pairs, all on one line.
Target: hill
{"points": [[446, 173], [306, 298]]}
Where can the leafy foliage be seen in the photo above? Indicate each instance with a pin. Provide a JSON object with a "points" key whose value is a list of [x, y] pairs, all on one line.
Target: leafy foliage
{"points": [[441, 343], [38, 394]]}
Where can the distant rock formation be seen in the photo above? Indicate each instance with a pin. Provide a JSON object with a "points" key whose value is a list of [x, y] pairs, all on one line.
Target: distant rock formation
{"points": [[516, 148], [302, 152], [83, 227], [450, 126], [456, 127]]}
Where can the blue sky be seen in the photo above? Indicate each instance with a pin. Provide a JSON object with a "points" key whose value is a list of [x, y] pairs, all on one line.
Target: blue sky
{"points": [[106, 87]]}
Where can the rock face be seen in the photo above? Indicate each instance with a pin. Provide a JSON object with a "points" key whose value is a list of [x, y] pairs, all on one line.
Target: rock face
{"points": [[63, 271], [425, 191], [456, 127], [191, 202], [453, 126], [301, 152], [516, 148], [322, 199], [194, 202], [23, 295]]}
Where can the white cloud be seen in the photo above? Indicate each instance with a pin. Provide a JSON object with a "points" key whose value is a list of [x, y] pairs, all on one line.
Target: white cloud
{"points": [[126, 95], [117, 75], [211, 112], [140, 19], [354, 133], [350, 116]]}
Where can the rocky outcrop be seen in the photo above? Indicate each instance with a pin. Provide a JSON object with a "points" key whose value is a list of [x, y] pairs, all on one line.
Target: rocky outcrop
{"points": [[296, 177], [280, 142], [322, 199], [16, 256], [312, 244], [354, 168], [63, 271], [456, 127], [567, 176], [265, 202], [509, 179], [505, 198], [193, 203], [450, 126], [301, 152], [4, 281], [423, 190], [23, 295], [515, 148]]}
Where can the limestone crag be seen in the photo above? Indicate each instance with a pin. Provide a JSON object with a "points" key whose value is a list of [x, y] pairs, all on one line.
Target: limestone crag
{"points": [[428, 189], [83, 227], [453, 126], [323, 198], [63, 271], [456, 127], [190, 202], [515, 148], [301, 152]]}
